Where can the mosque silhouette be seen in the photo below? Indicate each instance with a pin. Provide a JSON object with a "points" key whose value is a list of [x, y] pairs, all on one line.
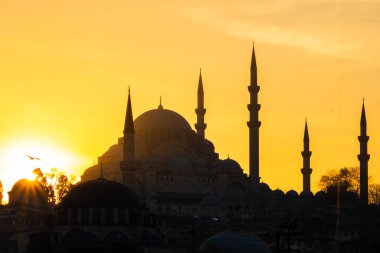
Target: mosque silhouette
{"points": [[163, 188]]}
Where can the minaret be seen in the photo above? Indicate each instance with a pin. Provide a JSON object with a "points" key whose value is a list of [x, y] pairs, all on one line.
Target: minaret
{"points": [[254, 123], [306, 153], [127, 165], [363, 158], [200, 110]]}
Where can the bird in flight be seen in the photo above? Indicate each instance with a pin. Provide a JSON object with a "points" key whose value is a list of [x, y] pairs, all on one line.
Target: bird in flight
{"points": [[32, 158]]}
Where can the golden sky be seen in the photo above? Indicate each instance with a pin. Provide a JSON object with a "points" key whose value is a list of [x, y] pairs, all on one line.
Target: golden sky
{"points": [[65, 67]]}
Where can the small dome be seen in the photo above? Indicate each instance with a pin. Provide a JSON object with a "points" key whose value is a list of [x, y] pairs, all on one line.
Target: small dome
{"points": [[161, 119], [212, 201], [230, 164], [264, 187], [29, 193], [320, 194], [278, 192], [100, 193], [292, 193], [234, 242]]}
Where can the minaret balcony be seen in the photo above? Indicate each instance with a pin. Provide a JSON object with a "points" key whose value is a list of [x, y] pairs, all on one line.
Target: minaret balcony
{"points": [[255, 107], [362, 138], [200, 111], [252, 89], [306, 171], [363, 157], [256, 124], [306, 153]]}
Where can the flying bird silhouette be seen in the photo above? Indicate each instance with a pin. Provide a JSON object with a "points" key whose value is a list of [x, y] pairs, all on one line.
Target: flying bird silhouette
{"points": [[32, 158]]}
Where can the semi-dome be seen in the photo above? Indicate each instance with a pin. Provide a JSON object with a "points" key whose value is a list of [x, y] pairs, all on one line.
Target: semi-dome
{"points": [[234, 242], [161, 119], [100, 193], [28, 193]]}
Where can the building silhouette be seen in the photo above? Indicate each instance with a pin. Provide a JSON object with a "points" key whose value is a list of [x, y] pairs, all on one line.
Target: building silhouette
{"points": [[163, 188]]}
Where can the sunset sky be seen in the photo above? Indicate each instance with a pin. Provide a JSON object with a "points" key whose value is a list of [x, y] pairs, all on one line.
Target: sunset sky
{"points": [[66, 65]]}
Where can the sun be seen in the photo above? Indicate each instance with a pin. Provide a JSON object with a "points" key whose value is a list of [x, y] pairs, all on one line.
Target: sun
{"points": [[18, 161]]}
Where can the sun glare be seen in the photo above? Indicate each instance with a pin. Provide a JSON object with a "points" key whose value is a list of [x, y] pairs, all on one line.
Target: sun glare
{"points": [[17, 161]]}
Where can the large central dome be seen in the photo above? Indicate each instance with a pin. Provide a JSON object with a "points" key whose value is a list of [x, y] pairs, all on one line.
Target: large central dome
{"points": [[160, 119]]}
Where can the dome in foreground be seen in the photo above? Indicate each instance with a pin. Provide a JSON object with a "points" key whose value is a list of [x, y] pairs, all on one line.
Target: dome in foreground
{"points": [[100, 193], [234, 242], [28, 193], [161, 119]]}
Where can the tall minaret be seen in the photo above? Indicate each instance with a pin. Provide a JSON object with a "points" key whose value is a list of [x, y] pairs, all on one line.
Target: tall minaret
{"points": [[363, 158], [127, 165], [200, 110], [254, 123], [306, 153]]}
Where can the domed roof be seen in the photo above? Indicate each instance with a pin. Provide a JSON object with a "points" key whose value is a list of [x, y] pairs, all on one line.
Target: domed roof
{"points": [[264, 187], [306, 194], [28, 192], [230, 164], [234, 242], [278, 192], [100, 193], [292, 193], [211, 201], [320, 194], [161, 119]]}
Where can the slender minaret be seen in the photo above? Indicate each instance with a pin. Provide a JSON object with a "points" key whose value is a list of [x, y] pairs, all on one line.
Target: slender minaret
{"points": [[363, 158], [128, 163], [254, 123], [200, 110], [306, 153]]}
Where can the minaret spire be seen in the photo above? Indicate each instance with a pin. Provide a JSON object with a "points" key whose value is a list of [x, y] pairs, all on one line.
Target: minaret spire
{"points": [[127, 165], [254, 123], [128, 125], [200, 126], [363, 158], [306, 153], [160, 105]]}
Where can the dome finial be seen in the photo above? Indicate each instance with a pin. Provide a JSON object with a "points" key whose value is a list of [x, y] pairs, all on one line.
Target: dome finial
{"points": [[160, 105]]}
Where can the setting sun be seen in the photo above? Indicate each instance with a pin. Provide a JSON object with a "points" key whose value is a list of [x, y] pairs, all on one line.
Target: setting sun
{"points": [[18, 160]]}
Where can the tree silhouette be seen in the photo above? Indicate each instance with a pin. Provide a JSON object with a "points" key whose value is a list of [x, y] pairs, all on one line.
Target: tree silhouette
{"points": [[349, 179], [56, 183], [1, 192], [374, 194]]}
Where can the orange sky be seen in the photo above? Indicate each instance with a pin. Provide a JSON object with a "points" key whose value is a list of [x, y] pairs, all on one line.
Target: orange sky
{"points": [[65, 67]]}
